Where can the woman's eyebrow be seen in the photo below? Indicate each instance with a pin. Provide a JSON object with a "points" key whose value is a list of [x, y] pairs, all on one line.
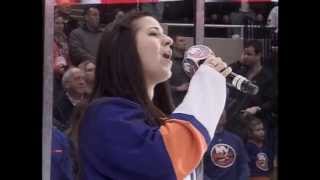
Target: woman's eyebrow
{"points": [[156, 28]]}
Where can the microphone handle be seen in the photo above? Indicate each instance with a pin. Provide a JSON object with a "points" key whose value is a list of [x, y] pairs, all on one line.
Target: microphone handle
{"points": [[242, 84], [197, 54]]}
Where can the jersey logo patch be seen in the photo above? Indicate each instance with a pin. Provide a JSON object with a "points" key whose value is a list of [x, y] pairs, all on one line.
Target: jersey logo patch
{"points": [[223, 155], [262, 161]]}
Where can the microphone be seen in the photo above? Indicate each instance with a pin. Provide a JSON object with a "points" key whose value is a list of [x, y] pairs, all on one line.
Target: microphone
{"points": [[197, 54]]}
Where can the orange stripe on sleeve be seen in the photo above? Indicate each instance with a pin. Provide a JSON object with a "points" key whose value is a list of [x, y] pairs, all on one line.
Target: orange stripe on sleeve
{"points": [[185, 145]]}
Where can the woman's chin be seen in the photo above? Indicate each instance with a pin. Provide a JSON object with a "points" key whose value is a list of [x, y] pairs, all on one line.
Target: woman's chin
{"points": [[166, 76]]}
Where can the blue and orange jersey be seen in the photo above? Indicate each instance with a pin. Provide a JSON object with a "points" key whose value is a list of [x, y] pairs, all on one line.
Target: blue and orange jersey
{"points": [[261, 160], [117, 143], [226, 158]]}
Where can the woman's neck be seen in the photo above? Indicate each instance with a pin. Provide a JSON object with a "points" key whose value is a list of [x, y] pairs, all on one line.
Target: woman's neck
{"points": [[150, 90]]}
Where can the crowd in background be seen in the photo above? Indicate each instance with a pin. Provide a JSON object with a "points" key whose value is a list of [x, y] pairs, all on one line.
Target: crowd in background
{"points": [[245, 144]]}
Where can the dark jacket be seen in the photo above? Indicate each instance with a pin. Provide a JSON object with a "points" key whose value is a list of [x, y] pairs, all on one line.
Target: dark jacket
{"points": [[178, 78], [83, 45], [238, 101], [62, 110]]}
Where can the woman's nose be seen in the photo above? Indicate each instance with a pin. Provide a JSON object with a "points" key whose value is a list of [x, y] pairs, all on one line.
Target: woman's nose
{"points": [[167, 40]]}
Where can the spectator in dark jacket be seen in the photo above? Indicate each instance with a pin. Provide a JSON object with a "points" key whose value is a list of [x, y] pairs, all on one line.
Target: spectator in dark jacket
{"points": [[75, 88], [250, 66], [179, 80], [84, 41]]}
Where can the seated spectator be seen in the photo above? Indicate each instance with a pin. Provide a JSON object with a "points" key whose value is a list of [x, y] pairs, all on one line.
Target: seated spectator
{"points": [[118, 14], [260, 153], [226, 32], [213, 19], [70, 23], [84, 41], [75, 88], [261, 32], [242, 17], [226, 157], [61, 163], [260, 19], [179, 80], [214, 31], [61, 59], [226, 19], [88, 67]]}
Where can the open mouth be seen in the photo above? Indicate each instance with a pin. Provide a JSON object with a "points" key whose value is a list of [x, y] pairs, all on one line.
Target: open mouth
{"points": [[166, 55]]}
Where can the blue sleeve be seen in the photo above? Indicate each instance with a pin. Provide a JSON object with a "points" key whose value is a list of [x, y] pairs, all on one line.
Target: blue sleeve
{"points": [[116, 143]]}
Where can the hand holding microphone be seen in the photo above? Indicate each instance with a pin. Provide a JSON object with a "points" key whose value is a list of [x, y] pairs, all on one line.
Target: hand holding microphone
{"points": [[217, 64], [198, 54]]}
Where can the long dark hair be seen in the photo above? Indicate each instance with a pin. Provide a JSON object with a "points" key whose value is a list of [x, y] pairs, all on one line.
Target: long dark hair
{"points": [[73, 135], [119, 71]]}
